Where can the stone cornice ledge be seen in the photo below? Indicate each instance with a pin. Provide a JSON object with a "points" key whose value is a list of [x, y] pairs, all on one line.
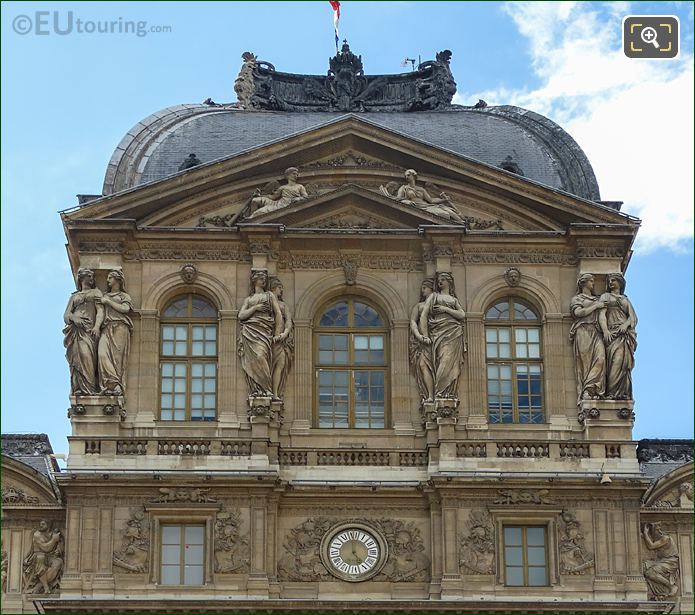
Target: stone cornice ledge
{"points": [[201, 604]]}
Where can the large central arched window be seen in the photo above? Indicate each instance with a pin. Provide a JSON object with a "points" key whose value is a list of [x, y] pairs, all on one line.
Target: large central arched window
{"points": [[188, 360], [351, 342], [514, 362]]}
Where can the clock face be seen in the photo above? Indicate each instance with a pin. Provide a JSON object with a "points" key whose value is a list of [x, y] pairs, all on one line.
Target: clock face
{"points": [[353, 553]]}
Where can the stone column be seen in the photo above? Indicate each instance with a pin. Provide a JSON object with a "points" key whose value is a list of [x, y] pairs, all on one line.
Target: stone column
{"points": [[272, 548], [148, 374], [258, 576], [402, 393], [477, 371], [227, 366], [303, 378], [435, 590], [451, 576], [555, 343]]}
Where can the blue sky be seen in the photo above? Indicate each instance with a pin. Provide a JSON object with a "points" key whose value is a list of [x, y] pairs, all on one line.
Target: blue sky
{"points": [[68, 99]]}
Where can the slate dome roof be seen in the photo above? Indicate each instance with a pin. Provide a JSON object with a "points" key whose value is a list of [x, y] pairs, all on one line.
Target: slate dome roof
{"points": [[505, 136]]}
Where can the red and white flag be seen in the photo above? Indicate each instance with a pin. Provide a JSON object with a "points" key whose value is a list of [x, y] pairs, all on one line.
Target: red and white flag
{"points": [[336, 20]]}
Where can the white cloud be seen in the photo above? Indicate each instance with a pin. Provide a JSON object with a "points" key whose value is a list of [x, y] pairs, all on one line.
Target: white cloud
{"points": [[633, 118]]}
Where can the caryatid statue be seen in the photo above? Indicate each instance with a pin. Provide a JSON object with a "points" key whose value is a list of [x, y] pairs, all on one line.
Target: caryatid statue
{"points": [[587, 339], [618, 322], [260, 321], [43, 566], [420, 346], [83, 318], [116, 330], [283, 343], [442, 321]]}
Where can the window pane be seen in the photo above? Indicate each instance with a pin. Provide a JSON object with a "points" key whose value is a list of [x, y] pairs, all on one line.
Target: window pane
{"points": [[535, 536], [512, 536], [193, 555], [171, 534], [537, 577], [193, 575], [523, 312], [200, 308], [376, 342], [513, 556], [167, 348], [177, 309], [536, 556], [514, 577], [335, 316], [171, 575], [197, 349], [366, 316], [361, 342], [171, 554]]}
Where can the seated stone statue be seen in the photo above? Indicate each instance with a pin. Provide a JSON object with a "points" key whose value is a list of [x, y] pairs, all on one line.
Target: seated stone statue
{"points": [[281, 197], [412, 194]]}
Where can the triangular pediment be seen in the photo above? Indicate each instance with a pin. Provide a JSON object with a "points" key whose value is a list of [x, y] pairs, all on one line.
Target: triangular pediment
{"points": [[344, 165]]}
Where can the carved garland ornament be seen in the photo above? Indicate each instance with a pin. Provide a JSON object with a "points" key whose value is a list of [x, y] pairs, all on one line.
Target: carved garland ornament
{"points": [[133, 554], [511, 496], [574, 557], [477, 546], [231, 549]]}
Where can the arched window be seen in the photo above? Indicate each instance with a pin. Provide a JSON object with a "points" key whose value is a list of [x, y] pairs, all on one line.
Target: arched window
{"points": [[188, 360], [514, 362], [351, 343]]}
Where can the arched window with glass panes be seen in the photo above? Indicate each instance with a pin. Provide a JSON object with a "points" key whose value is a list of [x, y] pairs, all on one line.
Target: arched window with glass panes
{"points": [[351, 366], [188, 360], [514, 362]]}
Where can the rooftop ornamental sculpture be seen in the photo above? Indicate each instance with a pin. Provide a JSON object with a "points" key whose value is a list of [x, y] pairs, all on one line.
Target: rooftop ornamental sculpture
{"points": [[345, 87]]}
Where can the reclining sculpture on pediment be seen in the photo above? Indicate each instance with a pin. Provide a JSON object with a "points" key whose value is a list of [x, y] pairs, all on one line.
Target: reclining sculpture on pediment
{"points": [[417, 196]]}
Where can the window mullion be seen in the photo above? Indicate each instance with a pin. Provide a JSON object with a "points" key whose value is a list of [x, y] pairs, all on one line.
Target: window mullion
{"points": [[524, 555]]}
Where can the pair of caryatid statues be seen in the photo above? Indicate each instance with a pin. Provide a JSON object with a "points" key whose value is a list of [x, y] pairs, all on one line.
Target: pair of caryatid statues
{"points": [[266, 342], [437, 342], [604, 338], [97, 334]]}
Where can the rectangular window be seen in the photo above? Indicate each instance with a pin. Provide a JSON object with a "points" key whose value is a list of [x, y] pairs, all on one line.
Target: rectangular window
{"points": [[173, 398], [182, 555], [525, 556], [333, 398], [499, 393]]}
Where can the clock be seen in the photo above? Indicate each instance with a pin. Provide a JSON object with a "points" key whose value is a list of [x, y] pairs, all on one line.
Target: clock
{"points": [[353, 552]]}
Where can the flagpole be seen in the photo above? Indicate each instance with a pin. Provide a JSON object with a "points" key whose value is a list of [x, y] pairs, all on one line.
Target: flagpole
{"points": [[336, 21]]}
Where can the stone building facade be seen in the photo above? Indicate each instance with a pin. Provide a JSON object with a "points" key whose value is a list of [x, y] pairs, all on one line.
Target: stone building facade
{"points": [[345, 346]]}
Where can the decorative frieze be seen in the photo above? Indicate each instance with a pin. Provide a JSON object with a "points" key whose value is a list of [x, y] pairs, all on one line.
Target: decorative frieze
{"points": [[513, 496], [322, 261], [194, 495], [188, 251], [497, 255]]}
